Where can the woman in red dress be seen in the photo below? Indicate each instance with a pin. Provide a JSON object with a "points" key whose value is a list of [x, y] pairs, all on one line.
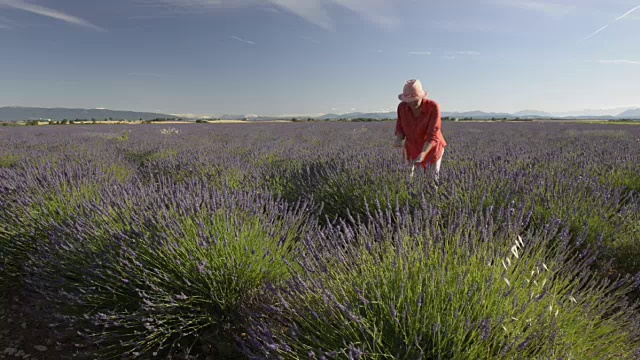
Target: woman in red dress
{"points": [[419, 126]]}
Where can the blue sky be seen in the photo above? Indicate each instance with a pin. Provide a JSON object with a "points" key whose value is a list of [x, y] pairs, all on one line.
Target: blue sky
{"points": [[318, 56]]}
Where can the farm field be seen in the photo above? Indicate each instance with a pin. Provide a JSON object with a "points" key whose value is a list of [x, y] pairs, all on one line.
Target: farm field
{"points": [[310, 240]]}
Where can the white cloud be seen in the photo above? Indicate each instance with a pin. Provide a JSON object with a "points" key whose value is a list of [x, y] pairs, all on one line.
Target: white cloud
{"points": [[272, 10], [43, 11], [314, 11], [546, 7], [310, 10], [468, 52], [379, 12], [419, 52], [243, 40], [620, 62]]}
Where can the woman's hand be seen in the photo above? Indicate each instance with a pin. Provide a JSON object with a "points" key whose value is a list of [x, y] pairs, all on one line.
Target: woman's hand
{"points": [[425, 151], [423, 155]]}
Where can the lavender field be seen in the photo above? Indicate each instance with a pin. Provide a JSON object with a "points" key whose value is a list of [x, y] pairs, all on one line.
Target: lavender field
{"points": [[311, 241]]}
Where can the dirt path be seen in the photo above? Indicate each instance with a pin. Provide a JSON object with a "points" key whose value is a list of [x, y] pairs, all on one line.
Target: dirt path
{"points": [[29, 331]]}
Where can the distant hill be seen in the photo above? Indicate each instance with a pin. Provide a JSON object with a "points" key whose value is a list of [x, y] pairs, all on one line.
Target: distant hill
{"points": [[355, 115], [591, 117], [533, 113], [393, 115], [329, 117], [476, 115], [630, 114], [19, 113], [230, 117], [593, 113]]}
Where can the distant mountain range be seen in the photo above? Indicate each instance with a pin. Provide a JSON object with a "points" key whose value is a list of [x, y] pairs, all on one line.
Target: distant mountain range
{"points": [[533, 113], [631, 113], [528, 114], [18, 113], [595, 112], [393, 115]]}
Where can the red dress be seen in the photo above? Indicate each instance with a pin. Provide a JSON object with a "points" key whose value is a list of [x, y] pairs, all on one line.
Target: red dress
{"points": [[420, 130]]}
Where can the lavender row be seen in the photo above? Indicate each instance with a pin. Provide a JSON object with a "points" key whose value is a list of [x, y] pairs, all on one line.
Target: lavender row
{"points": [[151, 241]]}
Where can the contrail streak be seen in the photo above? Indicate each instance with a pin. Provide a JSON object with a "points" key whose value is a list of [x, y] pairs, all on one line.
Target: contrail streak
{"points": [[243, 40], [628, 13], [596, 33], [611, 23]]}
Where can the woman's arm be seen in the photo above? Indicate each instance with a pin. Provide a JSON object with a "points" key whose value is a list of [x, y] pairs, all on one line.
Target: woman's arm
{"points": [[399, 132]]}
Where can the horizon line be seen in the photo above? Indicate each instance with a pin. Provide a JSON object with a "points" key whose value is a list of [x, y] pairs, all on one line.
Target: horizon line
{"points": [[254, 115]]}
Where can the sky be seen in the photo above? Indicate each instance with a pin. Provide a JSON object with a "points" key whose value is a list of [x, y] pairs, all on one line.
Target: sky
{"points": [[276, 57]]}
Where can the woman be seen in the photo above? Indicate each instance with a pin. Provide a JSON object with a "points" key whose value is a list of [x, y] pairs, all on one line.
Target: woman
{"points": [[419, 126]]}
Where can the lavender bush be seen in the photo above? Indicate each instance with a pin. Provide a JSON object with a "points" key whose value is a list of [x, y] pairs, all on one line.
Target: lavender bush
{"points": [[281, 239], [416, 290], [168, 264]]}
